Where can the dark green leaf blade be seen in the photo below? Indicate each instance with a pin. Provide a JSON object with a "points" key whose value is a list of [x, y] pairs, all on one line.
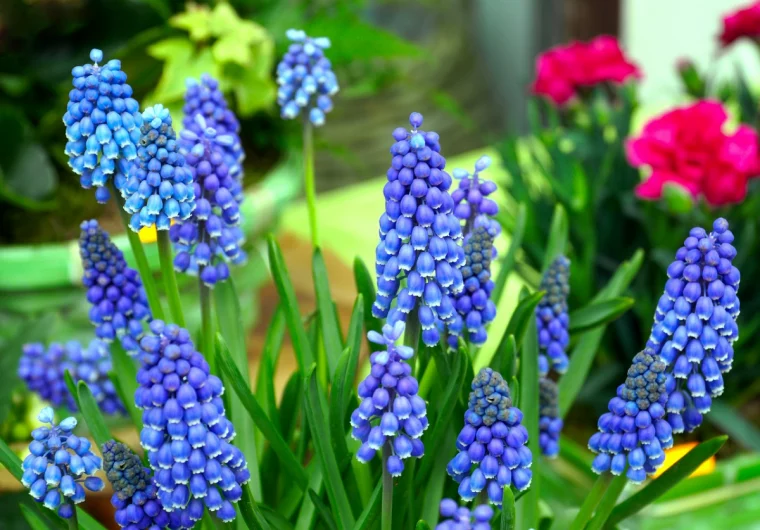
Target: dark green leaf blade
{"points": [[529, 406], [124, 377], [328, 321], [37, 520], [323, 509], [507, 510], [371, 510], [599, 313], [729, 420], [422, 525], [269, 359], [508, 262], [523, 315], [92, 415], [251, 511]]}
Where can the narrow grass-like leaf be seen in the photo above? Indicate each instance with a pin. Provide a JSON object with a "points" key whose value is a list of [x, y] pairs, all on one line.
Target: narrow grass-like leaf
{"points": [[290, 406], [422, 525], [608, 502], [434, 485], [508, 518], [672, 476], [320, 434], [92, 415], [234, 379], [508, 262], [729, 420], [328, 321], [275, 519], [307, 513], [323, 509], [365, 284], [38, 520], [268, 368], [545, 515], [371, 511], [598, 314], [10, 461], [353, 341], [529, 407], [622, 278], [523, 314], [558, 234], [504, 360], [251, 512], [124, 377], [287, 293], [337, 410], [72, 387]]}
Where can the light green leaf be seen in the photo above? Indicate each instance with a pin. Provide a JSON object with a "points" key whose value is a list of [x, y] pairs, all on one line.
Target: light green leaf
{"points": [[223, 19], [171, 47], [508, 518], [92, 415], [230, 49], [328, 322], [529, 406], [180, 64], [196, 20], [268, 367], [558, 235], [124, 377], [371, 510], [254, 93], [422, 525], [599, 313], [523, 315], [251, 511], [504, 360]]}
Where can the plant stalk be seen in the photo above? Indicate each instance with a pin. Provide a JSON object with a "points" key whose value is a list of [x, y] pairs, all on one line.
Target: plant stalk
{"points": [[608, 502], [386, 518], [591, 502], [309, 179], [207, 326], [170, 279], [72, 521]]}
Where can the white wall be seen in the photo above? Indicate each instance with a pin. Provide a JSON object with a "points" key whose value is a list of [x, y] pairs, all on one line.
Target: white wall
{"points": [[656, 33]]}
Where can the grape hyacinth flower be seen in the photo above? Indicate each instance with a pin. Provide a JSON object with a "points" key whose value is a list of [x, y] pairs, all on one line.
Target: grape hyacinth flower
{"points": [[471, 197], [135, 495], [390, 412], [695, 323], [185, 431], [492, 451], [205, 98], [419, 235], [549, 421], [102, 125], [119, 305], [474, 308], [159, 187], [43, 372], [461, 518], [212, 235], [635, 431], [552, 319], [305, 78], [60, 465]]}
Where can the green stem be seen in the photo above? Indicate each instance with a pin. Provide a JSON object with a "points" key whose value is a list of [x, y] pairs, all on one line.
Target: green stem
{"points": [[386, 518], [608, 502], [591, 502], [428, 378], [169, 278], [207, 326], [142, 261], [309, 180], [72, 521]]}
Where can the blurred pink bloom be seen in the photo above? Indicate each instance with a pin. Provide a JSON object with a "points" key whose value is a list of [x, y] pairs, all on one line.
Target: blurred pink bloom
{"points": [[687, 146], [561, 70], [743, 22]]}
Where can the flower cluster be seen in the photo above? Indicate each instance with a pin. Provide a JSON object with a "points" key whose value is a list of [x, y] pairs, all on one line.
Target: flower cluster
{"points": [[212, 234], [102, 125], [205, 98], [390, 412], [43, 372], [159, 187], [563, 71], [549, 422], [60, 465], [552, 319], [419, 235], [119, 305], [695, 323], [306, 78], [635, 431], [461, 518], [185, 431], [687, 147], [742, 23], [471, 197], [492, 451], [474, 308], [135, 495]]}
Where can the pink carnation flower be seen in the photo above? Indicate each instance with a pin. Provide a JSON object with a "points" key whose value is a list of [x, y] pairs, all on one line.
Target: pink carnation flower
{"points": [[743, 22], [561, 70], [688, 146]]}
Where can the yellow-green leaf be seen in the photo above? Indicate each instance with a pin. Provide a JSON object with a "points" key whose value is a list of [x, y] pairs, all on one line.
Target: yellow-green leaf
{"points": [[196, 21], [230, 49]]}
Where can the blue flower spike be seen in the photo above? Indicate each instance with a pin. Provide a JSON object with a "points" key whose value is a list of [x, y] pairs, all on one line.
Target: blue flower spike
{"points": [[43, 372], [306, 80], [159, 188], [115, 291], [695, 323], [185, 431], [60, 465], [135, 495], [390, 412], [102, 125], [455, 517], [420, 238], [472, 196], [552, 319], [549, 422], [634, 433], [492, 444]]}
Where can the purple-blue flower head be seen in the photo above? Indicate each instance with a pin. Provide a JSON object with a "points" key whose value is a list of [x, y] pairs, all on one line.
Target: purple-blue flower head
{"points": [[43, 372], [135, 495], [635, 431], [60, 465], [102, 125], [552, 319], [211, 237], [492, 451], [159, 187], [119, 305], [419, 235], [390, 412], [474, 307], [695, 323], [549, 422], [185, 431], [457, 517], [306, 79], [472, 196]]}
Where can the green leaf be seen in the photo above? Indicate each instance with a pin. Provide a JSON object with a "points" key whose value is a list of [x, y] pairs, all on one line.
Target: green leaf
{"points": [[30, 180], [422, 525], [328, 322], [195, 21], [371, 510], [323, 447], [288, 298], [504, 360], [305, 520], [608, 502], [124, 377], [234, 379], [523, 315], [268, 366], [71, 386], [529, 406], [558, 235], [508, 262], [36, 519], [223, 19], [508, 518], [251, 511], [438, 477], [181, 62], [672, 476], [254, 92], [10, 461], [231, 50], [323, 510], [365, 284], [92, 415], [599, 313], [729, 420]]}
